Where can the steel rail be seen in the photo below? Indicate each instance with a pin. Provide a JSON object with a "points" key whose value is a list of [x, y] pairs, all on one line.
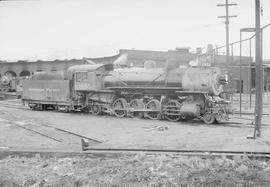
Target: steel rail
{"points": [[85, 148], [34, 131], [92, 139], [75, 134], [116, 153], [176, 151], [58, 129], [48, 126], [13, 106], [200, 153]]}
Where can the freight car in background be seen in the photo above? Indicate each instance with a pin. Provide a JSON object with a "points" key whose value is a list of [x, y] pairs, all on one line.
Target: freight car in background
{"points": [[171, 93]]}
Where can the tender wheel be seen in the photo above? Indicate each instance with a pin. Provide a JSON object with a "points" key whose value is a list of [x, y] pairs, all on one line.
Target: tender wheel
{"points": [[38, 107], [120, 107], [136, 104], [32, 106], [96, 110], [62, 108], [172, 110], [154, 106], [209, 118]]}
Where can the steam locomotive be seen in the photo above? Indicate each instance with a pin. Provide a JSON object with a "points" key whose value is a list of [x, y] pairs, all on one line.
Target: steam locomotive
{"points": [[7, 84], [171, 93]]}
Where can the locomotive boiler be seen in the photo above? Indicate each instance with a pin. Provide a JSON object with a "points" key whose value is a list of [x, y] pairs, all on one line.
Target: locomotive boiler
{"points": [[171, 93], [188, 79]]}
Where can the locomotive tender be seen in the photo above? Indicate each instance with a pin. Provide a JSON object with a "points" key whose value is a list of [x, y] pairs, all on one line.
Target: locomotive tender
{"points": [[171, 93]]}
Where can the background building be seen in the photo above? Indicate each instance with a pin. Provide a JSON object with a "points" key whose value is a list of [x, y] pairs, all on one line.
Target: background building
{"points": [[266, 74], [139, 57], [233, 71], [183, 56], [25, 68]]}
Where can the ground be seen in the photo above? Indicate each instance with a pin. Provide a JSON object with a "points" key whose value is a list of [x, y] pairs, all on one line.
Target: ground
{"points": [[24, 129], [137, 170], [126, 132]]}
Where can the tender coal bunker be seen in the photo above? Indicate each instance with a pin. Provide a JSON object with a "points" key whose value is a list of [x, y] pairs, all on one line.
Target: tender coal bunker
{"points": [[47, 76]]}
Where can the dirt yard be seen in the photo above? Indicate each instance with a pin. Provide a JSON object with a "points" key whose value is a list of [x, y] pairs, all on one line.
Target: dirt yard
{"points": [[138, 170], [126, 132]]}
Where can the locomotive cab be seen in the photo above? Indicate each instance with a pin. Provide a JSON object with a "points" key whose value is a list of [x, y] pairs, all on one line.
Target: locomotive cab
{"points": [[88, 77]]}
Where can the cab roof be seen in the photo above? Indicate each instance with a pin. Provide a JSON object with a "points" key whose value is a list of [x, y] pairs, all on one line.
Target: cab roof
{"points": [[88, 68]]}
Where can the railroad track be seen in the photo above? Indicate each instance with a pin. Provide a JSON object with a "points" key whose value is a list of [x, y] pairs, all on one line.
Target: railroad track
{"points": [[17, 106], [108, 152], [118, 152], [179, 152], [12, 105], [45, 130], [86, 147]]}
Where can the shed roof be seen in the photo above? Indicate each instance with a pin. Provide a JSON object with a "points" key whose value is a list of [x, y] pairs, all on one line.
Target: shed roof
{"points": [[76, 60], [158, 55]]}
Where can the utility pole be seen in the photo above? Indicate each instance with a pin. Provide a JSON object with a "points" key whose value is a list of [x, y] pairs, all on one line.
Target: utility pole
{"points": [[227, 17], [259, 73]]}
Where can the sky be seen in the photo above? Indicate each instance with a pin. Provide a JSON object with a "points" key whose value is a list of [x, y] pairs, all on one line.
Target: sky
{"points": [[65, 29]]}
